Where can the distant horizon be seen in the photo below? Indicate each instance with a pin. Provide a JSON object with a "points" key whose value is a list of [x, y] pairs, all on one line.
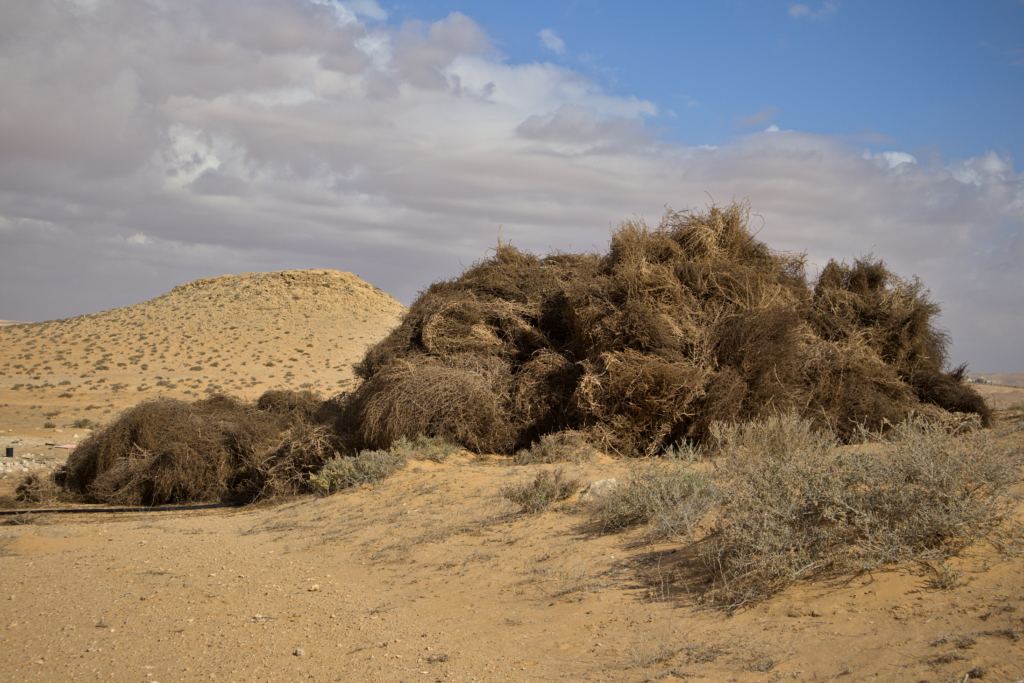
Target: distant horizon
{"points": [[971, 372]]}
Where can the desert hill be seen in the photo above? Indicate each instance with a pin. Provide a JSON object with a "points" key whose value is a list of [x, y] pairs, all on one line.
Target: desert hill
{"points": [[1009, 378], [1001, 390], [241, 334]]}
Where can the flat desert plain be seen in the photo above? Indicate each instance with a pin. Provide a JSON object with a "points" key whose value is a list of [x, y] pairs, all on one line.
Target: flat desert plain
{"points": [[431, 575]]}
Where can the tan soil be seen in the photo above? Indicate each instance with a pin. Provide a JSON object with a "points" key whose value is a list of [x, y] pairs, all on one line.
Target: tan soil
{"points": [[1012, 378], [1008, 390], [429, 576]]}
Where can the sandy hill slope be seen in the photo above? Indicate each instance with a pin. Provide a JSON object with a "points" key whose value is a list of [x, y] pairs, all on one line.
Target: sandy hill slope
{"points": [[1006, 390], [241, 334], [1012, 378]]}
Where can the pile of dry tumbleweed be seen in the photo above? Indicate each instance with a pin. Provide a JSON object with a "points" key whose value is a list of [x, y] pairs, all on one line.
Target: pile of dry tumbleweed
{"points": [[675, 328], [215, 449]]}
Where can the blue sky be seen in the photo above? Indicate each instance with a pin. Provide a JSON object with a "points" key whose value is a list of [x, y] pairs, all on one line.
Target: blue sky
{"points": [[147, 143], [946, 77]]}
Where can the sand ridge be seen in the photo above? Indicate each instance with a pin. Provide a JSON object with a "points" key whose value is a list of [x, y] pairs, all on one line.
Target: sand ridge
{"points": [[240, 334]]}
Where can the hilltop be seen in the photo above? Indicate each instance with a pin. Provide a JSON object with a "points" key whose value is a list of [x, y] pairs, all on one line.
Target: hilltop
{"points": [[241, 334]]}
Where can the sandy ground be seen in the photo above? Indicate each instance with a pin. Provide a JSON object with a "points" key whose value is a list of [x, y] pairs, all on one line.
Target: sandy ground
{"points": [[1007, 390], [432, 576], [429, 576]]}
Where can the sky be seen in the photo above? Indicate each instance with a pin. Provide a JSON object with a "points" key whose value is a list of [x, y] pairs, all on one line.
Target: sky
{"points": [[147, 143]]}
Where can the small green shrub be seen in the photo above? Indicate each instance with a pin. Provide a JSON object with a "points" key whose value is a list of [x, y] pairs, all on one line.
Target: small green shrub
{"points": [[550, 486], [85, 423], [366, 468]]}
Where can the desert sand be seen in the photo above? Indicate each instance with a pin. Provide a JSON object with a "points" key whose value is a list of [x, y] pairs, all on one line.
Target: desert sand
{"points": [[429, 576], [1005, 390]]}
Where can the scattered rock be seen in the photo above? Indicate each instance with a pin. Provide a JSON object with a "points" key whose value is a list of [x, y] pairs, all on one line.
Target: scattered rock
{"points": [[299, 652], [598, 489]]}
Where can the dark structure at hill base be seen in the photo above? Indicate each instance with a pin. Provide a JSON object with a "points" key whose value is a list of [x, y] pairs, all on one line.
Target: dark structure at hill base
{"points": [[676, 327]]}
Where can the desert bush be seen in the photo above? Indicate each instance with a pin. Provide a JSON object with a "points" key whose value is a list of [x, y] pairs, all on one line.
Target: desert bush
{"points": [[369, 467], [795, 506], [297, 405], [288, 469], [548, 487], [565, 446], [215, 449], [422, 447], [677, 327], [459, 401], [670, 495], [84, 423], [38, 488]]}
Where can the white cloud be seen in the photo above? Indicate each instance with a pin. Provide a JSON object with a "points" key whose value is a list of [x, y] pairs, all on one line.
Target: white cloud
{"points": [[890, 159], [243, 137], [552, 41], [369, 9], [982, 171], [772, 129], [760, 118], [826, 11], [349, 12]]}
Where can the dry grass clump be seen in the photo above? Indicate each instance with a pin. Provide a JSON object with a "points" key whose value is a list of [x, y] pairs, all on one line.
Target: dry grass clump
{"points": [[297, 405], [675, 328], [38, 488], [794, 506], [430, 448], [566, 446], [369, 467], [669, 494], [547, 488], [215, 449]]}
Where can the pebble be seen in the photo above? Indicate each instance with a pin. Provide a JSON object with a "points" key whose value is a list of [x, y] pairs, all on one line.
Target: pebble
{"points": [[299, 652]]}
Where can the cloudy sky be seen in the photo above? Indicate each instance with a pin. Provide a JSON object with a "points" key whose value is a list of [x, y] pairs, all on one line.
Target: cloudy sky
{"points": [[146, 143]]}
